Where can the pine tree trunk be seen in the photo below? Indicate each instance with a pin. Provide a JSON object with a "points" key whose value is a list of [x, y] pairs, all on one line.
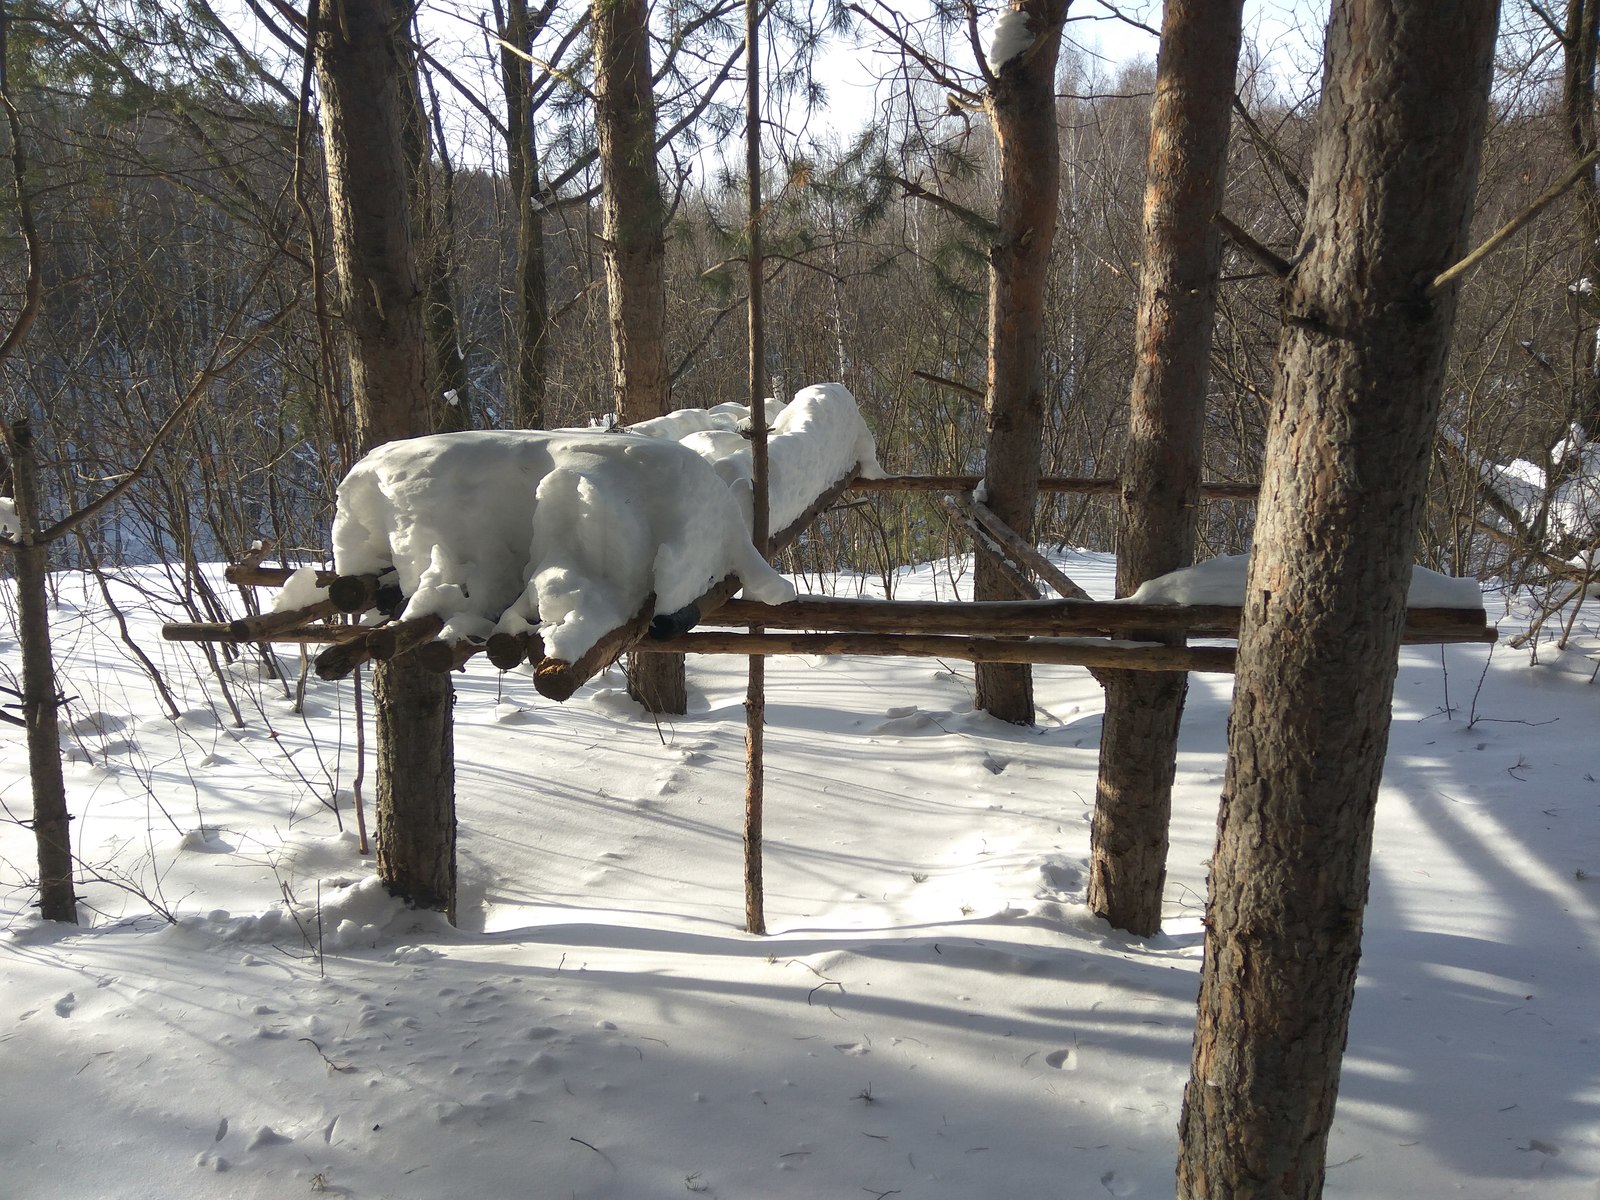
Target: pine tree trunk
{"points": [[365, 69], [1184, 185], [1022, 111], [1355, 407], [625, 120], [530, 332], [52, 824], [416, 831]]}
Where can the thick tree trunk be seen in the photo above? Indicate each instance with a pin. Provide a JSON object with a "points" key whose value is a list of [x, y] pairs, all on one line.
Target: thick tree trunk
{"points": [[1184, 185], [625, 120], [365, 71], [52, 825], [530, 332], [1022, 111], [1354, 411], [1580, 50]]}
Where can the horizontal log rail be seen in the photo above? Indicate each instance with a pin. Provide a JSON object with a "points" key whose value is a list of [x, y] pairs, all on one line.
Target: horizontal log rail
{"points": [[1050, 483], [1148, 656], [1052, 618]]}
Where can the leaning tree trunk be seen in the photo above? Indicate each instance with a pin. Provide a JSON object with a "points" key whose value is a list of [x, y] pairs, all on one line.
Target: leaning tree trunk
{"points": [[1355, 406], [364, 68], [1022, 111], [635, 246], [1184, 185]]}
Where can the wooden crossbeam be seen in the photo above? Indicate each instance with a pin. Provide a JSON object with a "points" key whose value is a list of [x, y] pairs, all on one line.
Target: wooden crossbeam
{"points": [[1129, 657], [1053, 618], [1050, 483]]}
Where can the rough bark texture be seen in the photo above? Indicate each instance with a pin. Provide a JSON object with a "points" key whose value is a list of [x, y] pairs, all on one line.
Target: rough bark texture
{"points": [[1022, 111], [1354, 412], [625, 120], [1580, 49], [530, 333], [1185, 174], [52, 825], [363, 68]]}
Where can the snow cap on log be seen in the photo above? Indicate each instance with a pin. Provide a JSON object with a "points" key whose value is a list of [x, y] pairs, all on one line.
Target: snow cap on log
{"points": [[1222, 580], [569, 534]]}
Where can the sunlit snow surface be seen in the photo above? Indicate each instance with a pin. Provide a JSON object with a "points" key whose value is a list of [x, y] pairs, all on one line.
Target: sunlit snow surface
{"points": [[935, 1014], [570, 532], [1221, 581]]}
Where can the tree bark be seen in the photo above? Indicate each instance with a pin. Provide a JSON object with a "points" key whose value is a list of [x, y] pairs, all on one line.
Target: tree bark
{"points": [[1580, 49], [366, 73], [1185, 178], [530, 310], [1022, 110], [625, 120], [1354, 411], [41, 703]]}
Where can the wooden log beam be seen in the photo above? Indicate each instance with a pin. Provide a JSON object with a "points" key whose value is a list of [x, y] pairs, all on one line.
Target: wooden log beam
{"points": [[255, 575], [1050, 483], [397, 637], [1023, 555], [508, 650], [442, 657], [1051, 618], [557, 679], [262, 626], [1147, 656], [224, 631]]}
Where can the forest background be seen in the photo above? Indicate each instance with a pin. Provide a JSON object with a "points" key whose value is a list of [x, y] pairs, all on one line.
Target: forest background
{"points": [[174, 167]]}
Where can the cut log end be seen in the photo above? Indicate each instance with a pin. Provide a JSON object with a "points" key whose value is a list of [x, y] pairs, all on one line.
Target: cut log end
{"points": [[555, 680]]}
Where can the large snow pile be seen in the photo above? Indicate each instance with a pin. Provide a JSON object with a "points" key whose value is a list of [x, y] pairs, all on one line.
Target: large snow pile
{"points": [[571, 532], [1221, 581]]}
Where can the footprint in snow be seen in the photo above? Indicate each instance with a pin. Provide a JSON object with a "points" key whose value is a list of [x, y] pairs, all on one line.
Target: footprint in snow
{"points": [[1116, 1186], [66, 1004], [1062, 1060]]}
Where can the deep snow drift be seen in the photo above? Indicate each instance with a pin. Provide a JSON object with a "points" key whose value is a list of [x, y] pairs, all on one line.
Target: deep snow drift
{"points": [[936, 1015]]}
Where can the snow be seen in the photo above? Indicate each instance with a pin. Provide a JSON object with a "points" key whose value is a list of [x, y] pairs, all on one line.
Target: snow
{"points": [[1221, 581], [936, 1012], [570, 532], [1008, 38], [1574, 510], [10, 527], [301, 591]]}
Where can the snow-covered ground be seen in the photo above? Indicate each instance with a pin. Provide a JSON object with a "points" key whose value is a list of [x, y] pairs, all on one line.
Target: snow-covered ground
{"points": [[934, 1016]]}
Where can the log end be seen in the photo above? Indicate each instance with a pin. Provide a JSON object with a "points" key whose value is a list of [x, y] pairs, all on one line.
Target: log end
{"points": [[555, 680]]}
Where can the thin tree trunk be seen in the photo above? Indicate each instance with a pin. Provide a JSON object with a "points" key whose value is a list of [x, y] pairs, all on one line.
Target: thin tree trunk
{"points": [[1354, 412], [1022, 110], [365, 70], [1580, 49], [755, 703], [625, 119], [1184, 184], [52, 828]]}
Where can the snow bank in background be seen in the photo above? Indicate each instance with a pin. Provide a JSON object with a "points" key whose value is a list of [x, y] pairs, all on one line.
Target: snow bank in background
{"points": [[1009, 38], [570, 532], [1574, 502], [1221, 581]]}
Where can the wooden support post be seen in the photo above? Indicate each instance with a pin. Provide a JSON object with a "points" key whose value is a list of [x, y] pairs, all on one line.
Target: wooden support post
{"points": [[1054, 484]]}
